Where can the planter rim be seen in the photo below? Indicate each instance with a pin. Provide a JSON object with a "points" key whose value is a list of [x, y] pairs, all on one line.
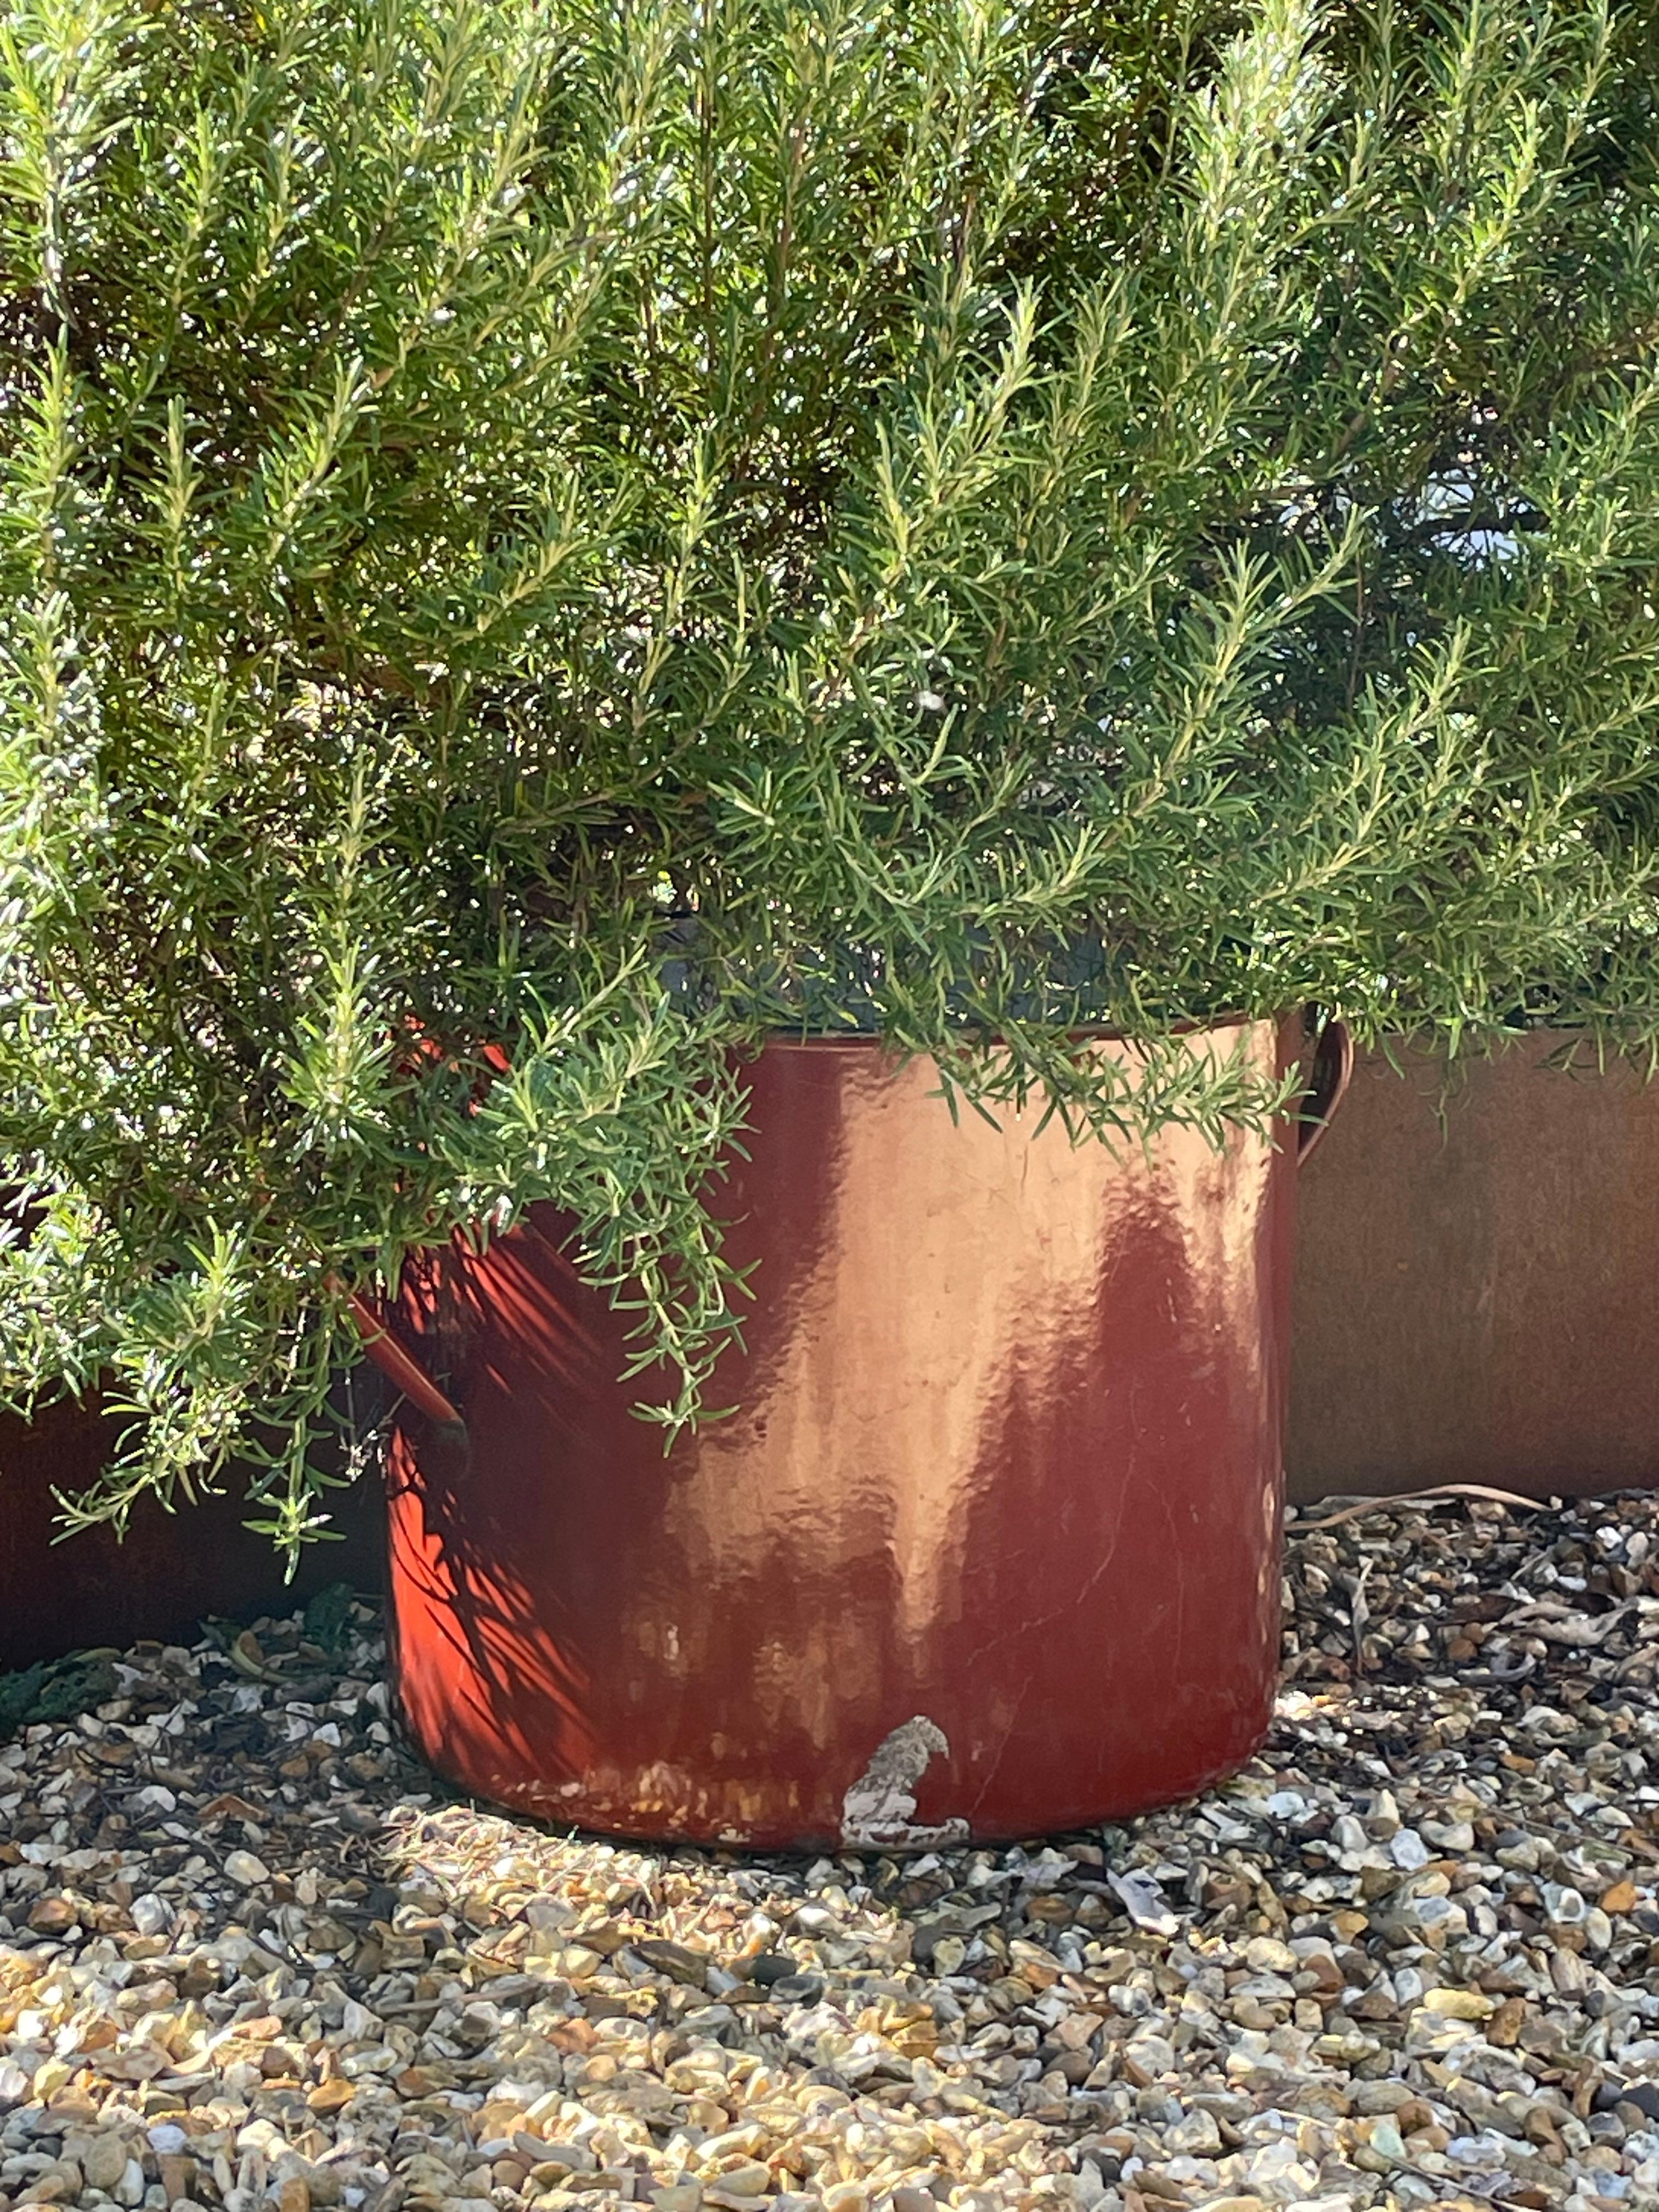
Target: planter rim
{"points": [[839, 1040]]}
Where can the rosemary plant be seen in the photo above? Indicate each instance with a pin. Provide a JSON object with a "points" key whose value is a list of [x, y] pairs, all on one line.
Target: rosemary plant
{"points": [[570, 532]]}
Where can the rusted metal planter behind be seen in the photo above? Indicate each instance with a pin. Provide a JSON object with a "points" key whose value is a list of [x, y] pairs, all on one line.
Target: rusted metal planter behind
{"points": [[172, 1570], [1478, 1278], [990, 1547]]}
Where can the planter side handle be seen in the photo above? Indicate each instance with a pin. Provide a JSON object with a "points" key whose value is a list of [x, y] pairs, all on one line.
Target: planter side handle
{"points": [[399, 1366], [1328, 1083]]}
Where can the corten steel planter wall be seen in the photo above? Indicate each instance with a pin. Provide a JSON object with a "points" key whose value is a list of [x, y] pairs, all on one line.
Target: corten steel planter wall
{"points": [[1476, 1290], [172, 1570], [990, 1547]]}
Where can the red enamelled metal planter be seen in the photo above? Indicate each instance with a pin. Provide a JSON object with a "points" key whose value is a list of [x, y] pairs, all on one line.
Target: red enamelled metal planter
{"points": [[989, 1548]]}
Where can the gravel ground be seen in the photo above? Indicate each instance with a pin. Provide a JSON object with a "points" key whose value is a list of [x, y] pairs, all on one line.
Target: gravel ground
{"points": [[252, 1954]]}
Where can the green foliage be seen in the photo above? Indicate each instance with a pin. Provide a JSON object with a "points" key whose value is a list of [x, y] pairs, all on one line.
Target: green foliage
{"points": [[61, 1691], [594, 527], [18, 1694], [328, 1617]]}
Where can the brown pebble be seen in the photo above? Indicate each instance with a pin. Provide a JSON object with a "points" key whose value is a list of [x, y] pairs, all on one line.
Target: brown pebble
{"points": [[177, 2175], [677, 1960]]}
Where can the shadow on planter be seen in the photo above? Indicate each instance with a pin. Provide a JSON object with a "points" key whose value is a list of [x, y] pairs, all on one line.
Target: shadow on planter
{"points": [[1477, 1298], [171, 1569]]}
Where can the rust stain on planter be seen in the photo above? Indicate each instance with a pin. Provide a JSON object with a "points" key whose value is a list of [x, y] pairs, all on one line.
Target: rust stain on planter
{"points": [[998, 1507]]}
